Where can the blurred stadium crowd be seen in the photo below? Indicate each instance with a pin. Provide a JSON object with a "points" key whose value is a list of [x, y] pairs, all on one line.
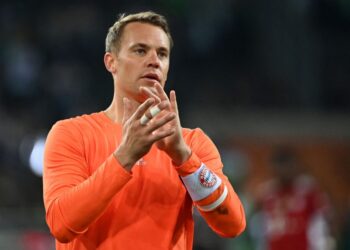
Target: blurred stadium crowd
{"points": [[286, 59]]}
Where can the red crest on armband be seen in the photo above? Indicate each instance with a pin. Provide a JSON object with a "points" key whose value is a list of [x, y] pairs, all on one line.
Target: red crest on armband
{"points": [[207, 178]]}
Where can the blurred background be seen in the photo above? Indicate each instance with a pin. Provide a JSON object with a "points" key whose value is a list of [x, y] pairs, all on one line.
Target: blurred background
{"points": [[262, 78]]}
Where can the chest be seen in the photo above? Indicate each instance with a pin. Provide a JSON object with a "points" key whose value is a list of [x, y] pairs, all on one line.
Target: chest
{"points": [[154, 178], [291, 204]]}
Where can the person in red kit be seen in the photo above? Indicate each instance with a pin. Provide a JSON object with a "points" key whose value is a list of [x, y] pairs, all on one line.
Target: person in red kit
{"points": [[129, 176], [293, 209]]}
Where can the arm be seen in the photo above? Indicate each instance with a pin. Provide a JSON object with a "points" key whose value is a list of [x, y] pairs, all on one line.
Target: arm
{"points": [[219, 205], [72, 198]]}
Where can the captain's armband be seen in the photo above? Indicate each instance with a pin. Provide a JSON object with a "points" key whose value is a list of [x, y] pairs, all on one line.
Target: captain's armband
{"points": [[201, 183]]}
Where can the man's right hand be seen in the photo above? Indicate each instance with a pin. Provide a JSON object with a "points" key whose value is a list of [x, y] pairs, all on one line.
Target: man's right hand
{"points": [[137, 139]]}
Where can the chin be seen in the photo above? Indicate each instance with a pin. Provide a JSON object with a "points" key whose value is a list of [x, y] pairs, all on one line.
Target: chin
{"points": [[152, 89], [141, 99]]}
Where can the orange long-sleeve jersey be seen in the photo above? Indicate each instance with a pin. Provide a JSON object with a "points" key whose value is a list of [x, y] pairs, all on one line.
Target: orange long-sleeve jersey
{"points": [[92, 202]]}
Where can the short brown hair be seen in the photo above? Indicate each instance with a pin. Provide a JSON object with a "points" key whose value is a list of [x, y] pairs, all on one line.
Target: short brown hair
{"points": [[115, 32]]}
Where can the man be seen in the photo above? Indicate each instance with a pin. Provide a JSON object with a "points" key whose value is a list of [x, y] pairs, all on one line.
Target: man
{"points": [[128, 177], [292, 207]]}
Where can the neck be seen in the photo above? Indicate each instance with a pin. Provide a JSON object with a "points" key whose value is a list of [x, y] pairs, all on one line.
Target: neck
{"points": [[115, 111]]}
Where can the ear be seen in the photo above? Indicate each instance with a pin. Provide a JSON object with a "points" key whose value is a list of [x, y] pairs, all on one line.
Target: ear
{"points": [[110, 62]]}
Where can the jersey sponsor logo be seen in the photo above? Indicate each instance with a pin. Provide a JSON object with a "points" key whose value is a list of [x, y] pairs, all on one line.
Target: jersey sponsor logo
{"points": [[207, 178]]}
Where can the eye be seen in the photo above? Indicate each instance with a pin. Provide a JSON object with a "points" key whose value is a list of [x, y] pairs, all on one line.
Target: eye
{"points": [[162, 54], [140, 51]]}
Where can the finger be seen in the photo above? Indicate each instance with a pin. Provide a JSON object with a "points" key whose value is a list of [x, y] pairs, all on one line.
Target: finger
{"points": [[173, 102], [144, 120], [126, 109], [153, 112], [143, 107], [160, 91], [159, 135], [161, 122], [147, 92]]}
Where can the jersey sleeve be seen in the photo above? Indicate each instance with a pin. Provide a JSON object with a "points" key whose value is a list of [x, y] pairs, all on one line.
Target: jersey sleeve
{"points": [[73, 197], [222, 208]]}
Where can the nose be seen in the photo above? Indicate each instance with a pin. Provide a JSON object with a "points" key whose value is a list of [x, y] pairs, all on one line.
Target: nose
{"points": [[153, 60]]}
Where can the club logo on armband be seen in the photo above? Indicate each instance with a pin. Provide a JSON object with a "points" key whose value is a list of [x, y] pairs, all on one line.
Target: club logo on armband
{"points": [[207, 178]]}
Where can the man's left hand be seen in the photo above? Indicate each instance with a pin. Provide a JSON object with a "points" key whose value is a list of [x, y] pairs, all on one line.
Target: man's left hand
{"points": [[173, 145]]}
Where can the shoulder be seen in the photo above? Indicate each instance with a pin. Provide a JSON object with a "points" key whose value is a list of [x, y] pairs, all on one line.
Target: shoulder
{"points": [[203, 146], [74, 129], [196, 134], [78, 123], [197, 138], [266, 190]]}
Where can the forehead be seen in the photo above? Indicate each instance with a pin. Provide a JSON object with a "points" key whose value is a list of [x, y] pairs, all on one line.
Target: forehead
{"points": [[144, 33]]}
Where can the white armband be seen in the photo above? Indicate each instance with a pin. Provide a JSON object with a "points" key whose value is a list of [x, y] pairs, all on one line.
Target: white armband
{"points": [[201, 183]]}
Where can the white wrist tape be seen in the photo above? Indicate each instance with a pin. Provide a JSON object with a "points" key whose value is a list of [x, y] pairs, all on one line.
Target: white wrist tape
{"points": [[201, 183], [216, 203]]}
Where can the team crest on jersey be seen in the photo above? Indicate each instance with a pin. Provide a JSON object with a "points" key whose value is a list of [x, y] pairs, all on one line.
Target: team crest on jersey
{"points": [[207, 178]]}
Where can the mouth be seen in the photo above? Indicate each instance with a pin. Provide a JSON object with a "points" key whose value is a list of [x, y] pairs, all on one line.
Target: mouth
{"points": [[151, 77]]}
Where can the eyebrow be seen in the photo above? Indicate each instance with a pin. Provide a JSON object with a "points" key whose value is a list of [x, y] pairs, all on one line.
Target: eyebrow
{"points": [[143, 45]]}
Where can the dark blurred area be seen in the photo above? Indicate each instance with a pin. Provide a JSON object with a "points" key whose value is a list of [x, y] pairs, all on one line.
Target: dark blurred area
{"points": [[254, 74]]}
